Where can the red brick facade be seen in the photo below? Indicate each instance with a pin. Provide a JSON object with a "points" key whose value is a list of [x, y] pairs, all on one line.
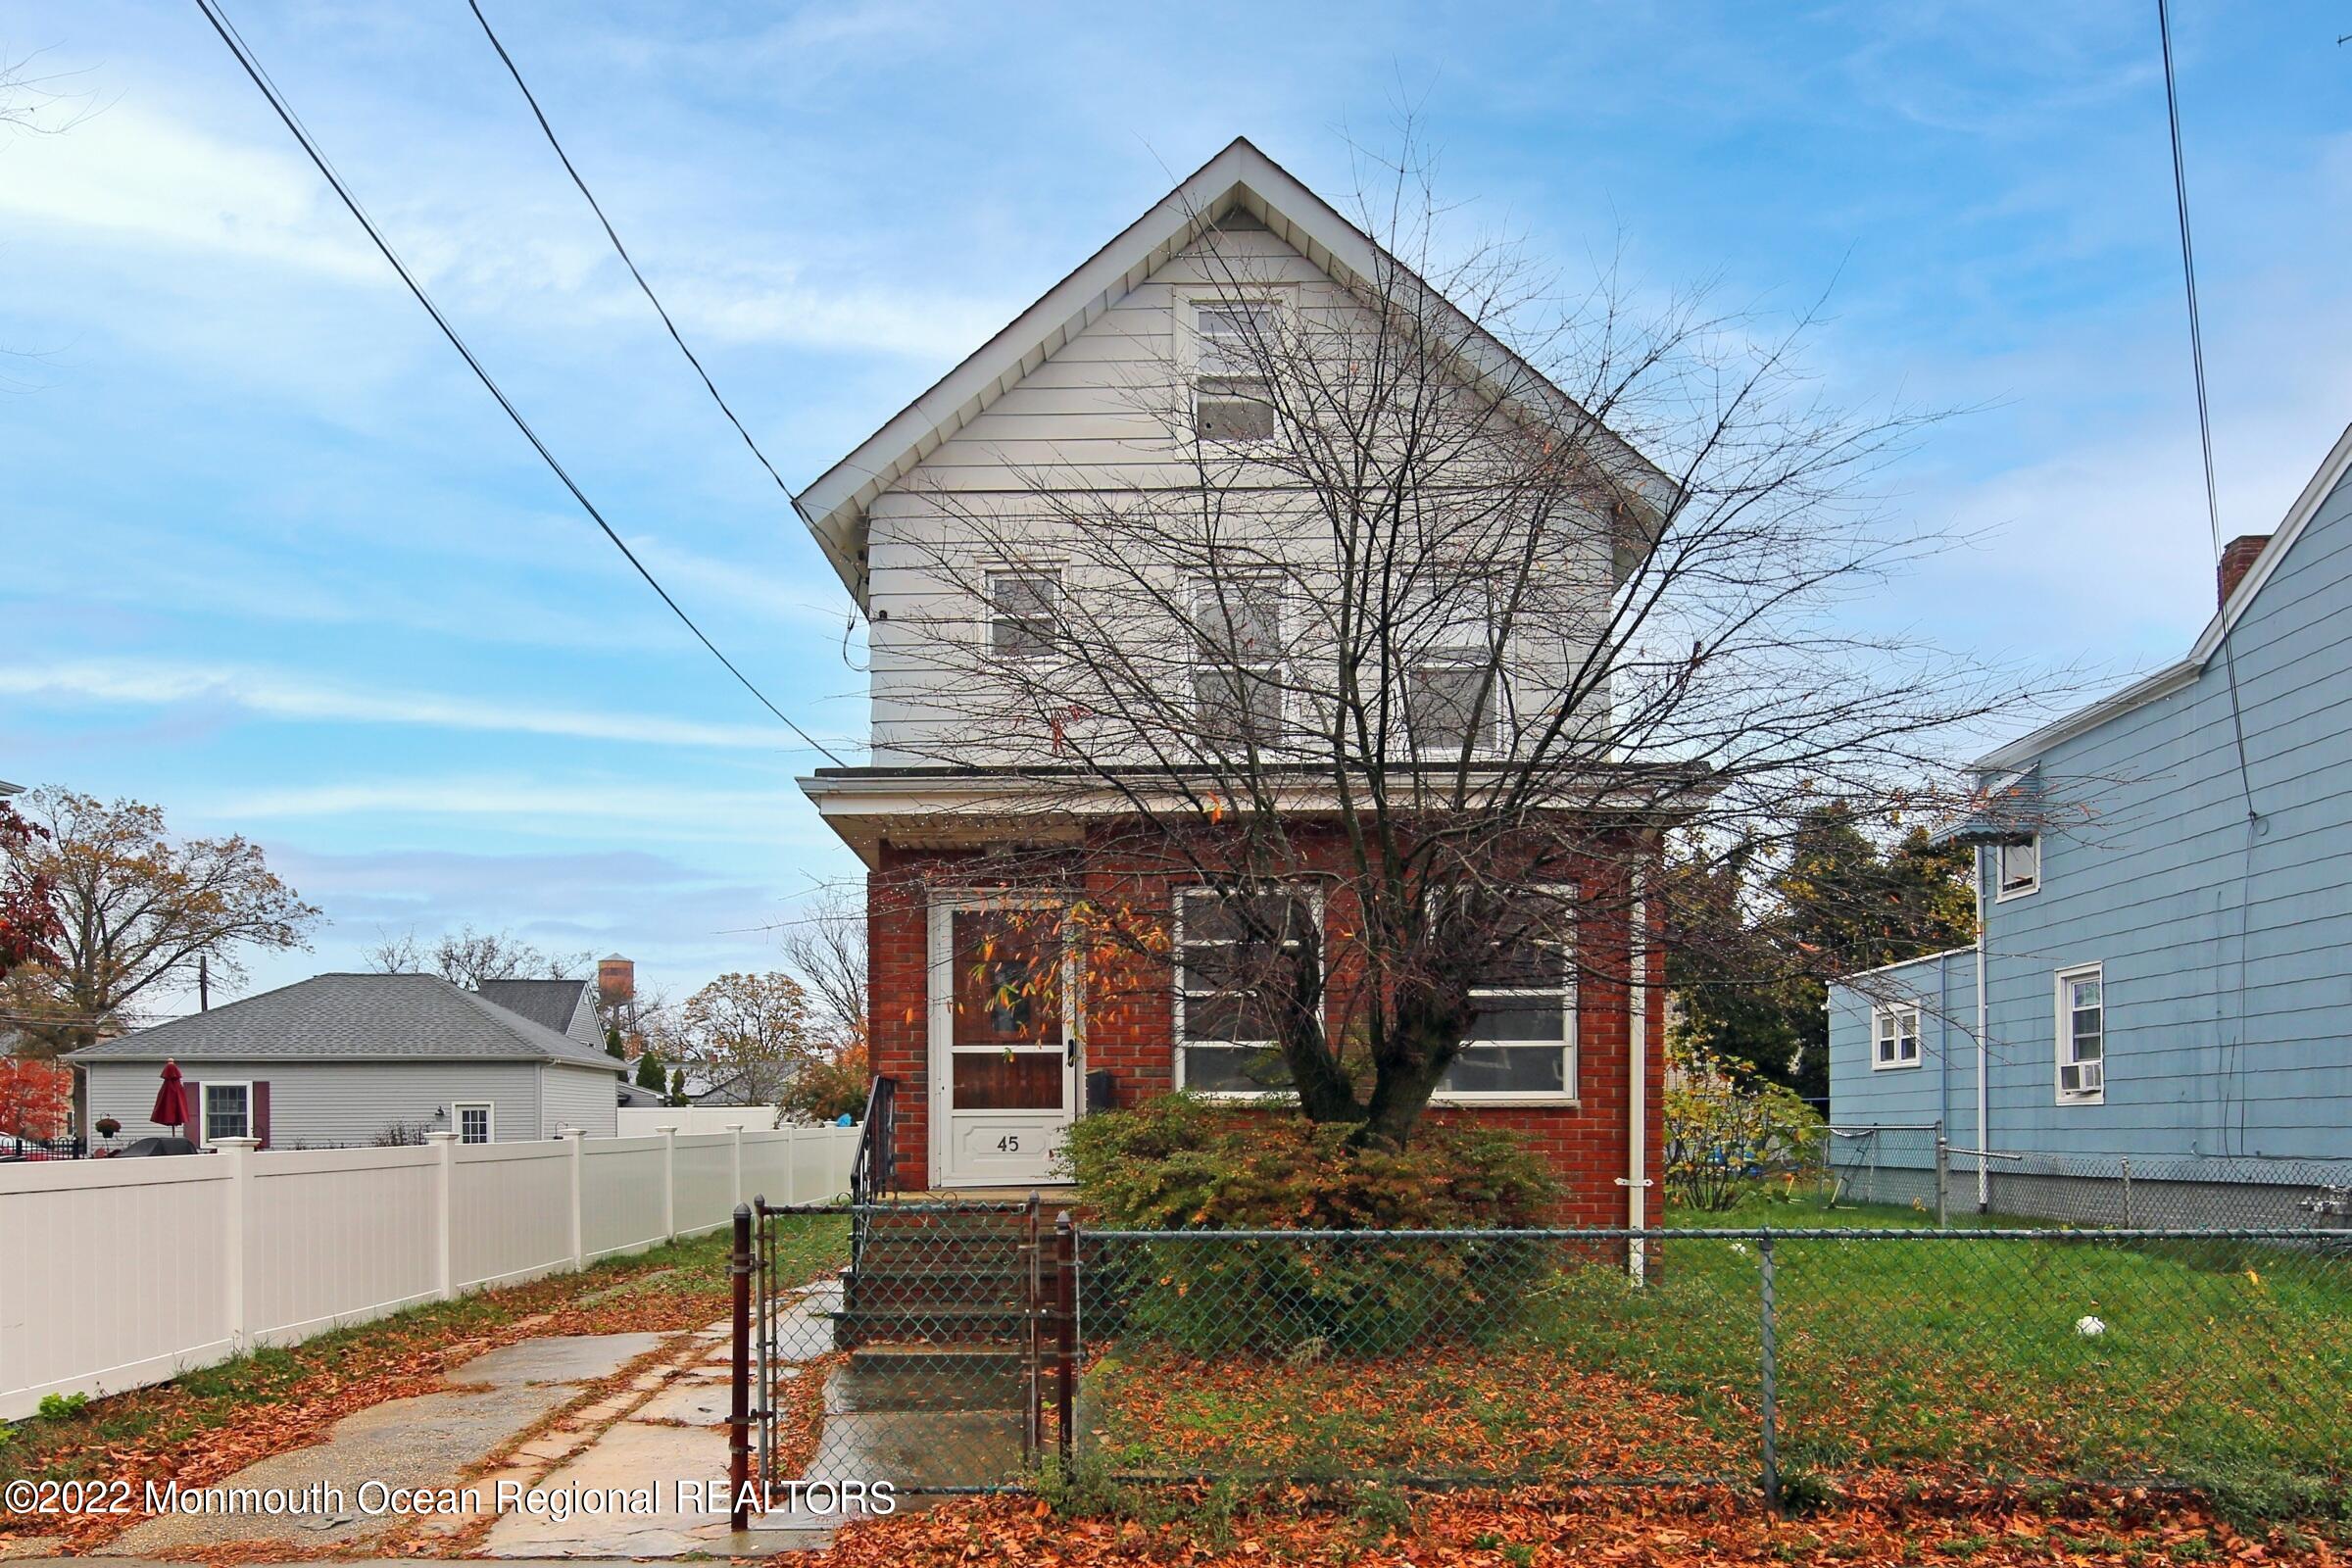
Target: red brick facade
{"points": [[1585, 1143]]}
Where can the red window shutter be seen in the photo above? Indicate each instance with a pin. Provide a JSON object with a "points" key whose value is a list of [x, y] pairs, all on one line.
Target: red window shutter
{"points": [[260, 1111], [193, 1093]]}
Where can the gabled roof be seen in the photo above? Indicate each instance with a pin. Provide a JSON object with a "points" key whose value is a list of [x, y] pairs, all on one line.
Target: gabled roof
{"points": [[553, 1004], [2333, 470], [1240, 177], [353, 1017]]}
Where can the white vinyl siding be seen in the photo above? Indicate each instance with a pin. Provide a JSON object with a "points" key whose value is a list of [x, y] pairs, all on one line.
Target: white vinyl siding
{"points": [[322, 1105]]}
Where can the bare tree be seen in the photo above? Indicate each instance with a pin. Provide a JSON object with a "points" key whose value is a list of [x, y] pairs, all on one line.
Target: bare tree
{"points": [[468, 957], [824, 949], [1437, 602]]}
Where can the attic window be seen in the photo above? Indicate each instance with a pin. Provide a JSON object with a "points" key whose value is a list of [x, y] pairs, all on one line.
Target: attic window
{"points": [[1229, 389], [1022, 611]]}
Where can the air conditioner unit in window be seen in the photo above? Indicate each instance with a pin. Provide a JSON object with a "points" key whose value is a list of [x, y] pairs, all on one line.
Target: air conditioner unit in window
{"points": [[2082, 1078]]}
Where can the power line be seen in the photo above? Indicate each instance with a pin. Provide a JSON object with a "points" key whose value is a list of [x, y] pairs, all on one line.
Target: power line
{"points": [[2197, 356], [285, 113], [627, 260]]}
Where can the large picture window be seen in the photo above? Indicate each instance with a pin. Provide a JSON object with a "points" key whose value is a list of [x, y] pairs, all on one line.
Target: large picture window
{"points": [[1522, 1041], [1233, 951]]}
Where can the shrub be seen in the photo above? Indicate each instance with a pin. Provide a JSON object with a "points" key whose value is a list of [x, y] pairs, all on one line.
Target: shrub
{"points": [[1178, 1164], [1726, 1127]]}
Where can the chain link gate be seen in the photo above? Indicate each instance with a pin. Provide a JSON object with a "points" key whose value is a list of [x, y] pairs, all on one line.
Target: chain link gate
{"points": [[942, 1359]]}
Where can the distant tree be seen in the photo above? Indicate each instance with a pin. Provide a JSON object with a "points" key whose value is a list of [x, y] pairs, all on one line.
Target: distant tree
{"points": [[824, 949], [29, 922], [34, 1096], [1763, 932], [468, 957], [649, 1071], [677, 1087], [613, 1043], [831, 1086], [139, 909], [750, 1033]]}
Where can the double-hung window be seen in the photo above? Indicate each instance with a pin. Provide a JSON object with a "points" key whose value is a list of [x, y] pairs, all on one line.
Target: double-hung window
{"points": [[1894, 1036], [227, 1111], [1023, 608], [1230, 390], [1236, 953], [1522, 1039], [2018, 868], [2082, 1035], [1237, 659]]}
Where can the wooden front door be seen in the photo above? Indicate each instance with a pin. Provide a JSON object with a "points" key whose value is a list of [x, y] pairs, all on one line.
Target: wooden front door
{"points": [[1003, 1043]]}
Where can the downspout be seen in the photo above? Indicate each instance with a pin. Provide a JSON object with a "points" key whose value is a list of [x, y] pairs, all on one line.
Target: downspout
{"points": [[1984, 1055], [1637, 1095]]}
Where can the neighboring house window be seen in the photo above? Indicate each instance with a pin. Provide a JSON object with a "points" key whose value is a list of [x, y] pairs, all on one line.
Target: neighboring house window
{"points": [[1449, 703], [473, 1124], [1237, 659], [1894, 1033], [1024, 609], [1230, 947], [1522, 1043], [227, 1111], [2082, 1035], [2019, 868], [1229, 384]]}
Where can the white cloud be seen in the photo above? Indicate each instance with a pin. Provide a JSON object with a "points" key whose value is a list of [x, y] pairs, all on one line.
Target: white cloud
{"points": [[277, 696]]}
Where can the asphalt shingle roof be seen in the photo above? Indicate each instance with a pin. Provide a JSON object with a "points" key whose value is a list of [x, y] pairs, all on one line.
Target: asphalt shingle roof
{"points": [[548, 1003], [363, 1017]]}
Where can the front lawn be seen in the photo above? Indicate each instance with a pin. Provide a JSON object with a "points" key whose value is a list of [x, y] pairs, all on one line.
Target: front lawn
{"points": [[207, 1423], [2220, 1364]]}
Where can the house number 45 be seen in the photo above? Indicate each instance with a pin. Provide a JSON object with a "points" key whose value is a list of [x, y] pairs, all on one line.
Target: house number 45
{"points": [[1010, 1144]]}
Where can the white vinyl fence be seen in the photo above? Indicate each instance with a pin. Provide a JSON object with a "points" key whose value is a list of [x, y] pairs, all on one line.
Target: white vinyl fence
{"points": [[116, 1273], [694, 1118]]}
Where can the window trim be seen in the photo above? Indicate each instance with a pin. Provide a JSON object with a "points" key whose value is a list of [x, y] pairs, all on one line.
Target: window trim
{"points": [[1895, 1011], [489, 1110], [1176, 1034], [204, 1107], [2063, 1034], [1571, 1026], [993, 614], [2002, 894]]}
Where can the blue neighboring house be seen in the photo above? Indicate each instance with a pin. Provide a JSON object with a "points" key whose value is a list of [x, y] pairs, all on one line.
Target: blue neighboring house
{"points": [[2165, 970]]}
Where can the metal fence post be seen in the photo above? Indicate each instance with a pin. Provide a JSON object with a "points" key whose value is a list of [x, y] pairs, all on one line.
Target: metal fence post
{"points": [[1066, 1295], [739, 1376], [2125, 1163], [1944, 1180], [1767, 1370]]}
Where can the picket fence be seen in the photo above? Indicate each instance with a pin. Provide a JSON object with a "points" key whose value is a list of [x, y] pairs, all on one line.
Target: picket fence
{"points": [[116, 1273]]}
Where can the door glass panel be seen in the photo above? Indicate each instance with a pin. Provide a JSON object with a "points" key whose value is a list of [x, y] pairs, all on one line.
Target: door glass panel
{"points": [[1001, 1080], [1007, 983]]}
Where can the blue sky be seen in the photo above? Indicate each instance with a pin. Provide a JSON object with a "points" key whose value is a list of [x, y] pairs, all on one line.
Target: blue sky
{"points": [[271, 559]]}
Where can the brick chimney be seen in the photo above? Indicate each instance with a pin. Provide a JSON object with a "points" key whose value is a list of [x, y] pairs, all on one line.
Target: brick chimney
{"points": [[2238, 559], [615, 979]]}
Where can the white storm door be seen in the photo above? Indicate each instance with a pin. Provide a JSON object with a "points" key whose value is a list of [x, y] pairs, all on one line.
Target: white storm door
{"points": [[1003, 1043]]}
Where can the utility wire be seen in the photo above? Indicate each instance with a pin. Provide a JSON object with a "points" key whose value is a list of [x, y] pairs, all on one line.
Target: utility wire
{"points": [[2197, 356], [627, 260], [269, 89]]}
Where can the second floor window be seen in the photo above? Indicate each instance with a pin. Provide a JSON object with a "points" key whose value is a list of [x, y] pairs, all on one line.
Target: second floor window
{"points": [[1450, 704], [1024, 608], [2018, 868], [1236, 661]]}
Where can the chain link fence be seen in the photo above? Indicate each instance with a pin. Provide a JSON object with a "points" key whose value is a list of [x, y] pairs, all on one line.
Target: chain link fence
{"points": [[1910, 1165], [1753, 1358], [967, 1344]]}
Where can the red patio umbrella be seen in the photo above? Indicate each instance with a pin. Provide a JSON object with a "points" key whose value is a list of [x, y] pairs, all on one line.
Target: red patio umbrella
{"points": [[170, 1102]]}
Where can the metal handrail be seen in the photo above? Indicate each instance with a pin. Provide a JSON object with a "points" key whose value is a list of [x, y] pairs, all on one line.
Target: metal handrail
{"points": [[874, 1163]]}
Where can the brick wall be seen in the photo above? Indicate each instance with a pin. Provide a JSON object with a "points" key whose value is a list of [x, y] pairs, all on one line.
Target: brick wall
{"points": [[1132, 1036]]}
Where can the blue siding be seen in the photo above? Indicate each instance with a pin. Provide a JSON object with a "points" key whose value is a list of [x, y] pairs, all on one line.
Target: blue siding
{"points": [[2227, 952]]}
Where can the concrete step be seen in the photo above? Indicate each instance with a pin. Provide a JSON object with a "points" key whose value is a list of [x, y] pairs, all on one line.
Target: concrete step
{"points": [[854, 1328]]}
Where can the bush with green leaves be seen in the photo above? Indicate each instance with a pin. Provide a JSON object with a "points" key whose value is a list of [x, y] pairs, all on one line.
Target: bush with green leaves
{"points": [[1729, 1128], [1180, 1163]]}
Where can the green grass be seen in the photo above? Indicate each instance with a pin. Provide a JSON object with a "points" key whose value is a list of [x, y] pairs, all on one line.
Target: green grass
{"points": [[2223, 1365], [677, 1286]]}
